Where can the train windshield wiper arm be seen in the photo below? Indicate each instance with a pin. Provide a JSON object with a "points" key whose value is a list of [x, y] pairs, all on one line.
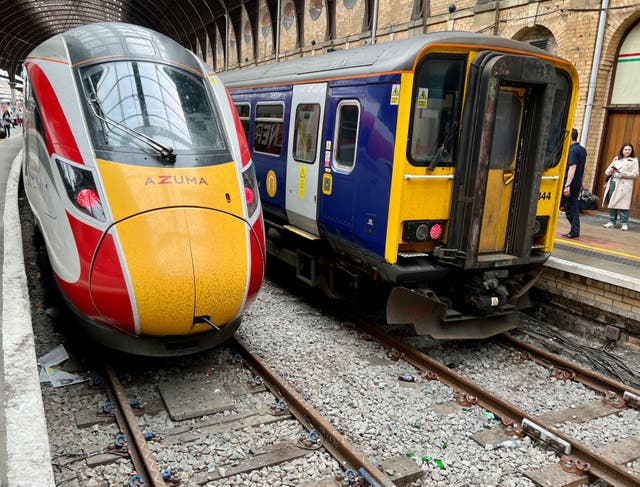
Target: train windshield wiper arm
{"points": [[165, 151], [440, 151]]}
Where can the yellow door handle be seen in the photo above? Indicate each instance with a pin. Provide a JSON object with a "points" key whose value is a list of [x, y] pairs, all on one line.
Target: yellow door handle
{"points": [[508, 176]]}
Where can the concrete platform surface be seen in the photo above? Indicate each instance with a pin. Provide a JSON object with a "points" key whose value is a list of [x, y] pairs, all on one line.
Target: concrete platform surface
{"points": [[607, 254]]}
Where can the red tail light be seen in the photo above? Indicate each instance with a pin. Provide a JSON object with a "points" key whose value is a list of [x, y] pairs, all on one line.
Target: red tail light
{"points": [[81, 189], [250, 196], [250, 189], [87, 199], [423, 230], [436, 231]]}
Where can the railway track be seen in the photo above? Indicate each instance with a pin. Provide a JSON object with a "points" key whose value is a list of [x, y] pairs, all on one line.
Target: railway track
{"points": [[357, 386], [181, 439], [144, 455], [577, 458]]}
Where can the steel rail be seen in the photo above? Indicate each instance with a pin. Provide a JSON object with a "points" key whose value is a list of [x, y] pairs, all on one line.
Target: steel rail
{"points": [[135, 433], [585, 376], [134, 454], [347, 455], [599, 467]]}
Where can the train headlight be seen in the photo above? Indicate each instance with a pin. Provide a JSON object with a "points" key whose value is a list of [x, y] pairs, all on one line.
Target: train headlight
{"points": [[81, 189], [250, 189], [423, 231]]}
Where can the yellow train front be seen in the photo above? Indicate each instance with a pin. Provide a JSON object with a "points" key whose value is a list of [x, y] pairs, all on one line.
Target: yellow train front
{"points": [[433, 163], [142, 189]]}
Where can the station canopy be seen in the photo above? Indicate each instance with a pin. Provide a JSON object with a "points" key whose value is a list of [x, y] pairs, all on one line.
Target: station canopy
{"points": [[27, 23]]}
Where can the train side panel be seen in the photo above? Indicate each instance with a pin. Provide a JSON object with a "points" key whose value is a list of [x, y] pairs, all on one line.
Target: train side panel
{"points": [[356, 182], [265, 115]]}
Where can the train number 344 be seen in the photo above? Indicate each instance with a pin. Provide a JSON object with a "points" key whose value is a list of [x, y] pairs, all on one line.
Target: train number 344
{"points": [[544, 195]]}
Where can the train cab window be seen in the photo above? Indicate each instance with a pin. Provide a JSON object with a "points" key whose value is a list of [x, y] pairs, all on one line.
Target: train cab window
{"points": [[305, 139], [268, 128], [436, 110], [244, 112], [559, 114], [134, 105], [346, 135]]}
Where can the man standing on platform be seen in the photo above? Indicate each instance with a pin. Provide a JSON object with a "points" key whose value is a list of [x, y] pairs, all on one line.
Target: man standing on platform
{"points": [[573, 184]]}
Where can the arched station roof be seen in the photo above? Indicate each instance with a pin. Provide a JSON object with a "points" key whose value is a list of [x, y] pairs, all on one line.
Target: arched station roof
{"points": [[27, 23]]}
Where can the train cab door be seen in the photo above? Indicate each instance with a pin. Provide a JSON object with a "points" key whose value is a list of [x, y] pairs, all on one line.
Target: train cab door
{"points": [[304, 155], [501, 157]]}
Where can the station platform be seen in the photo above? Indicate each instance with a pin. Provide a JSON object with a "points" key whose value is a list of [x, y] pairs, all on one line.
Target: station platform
{"points": [[608, 254]]}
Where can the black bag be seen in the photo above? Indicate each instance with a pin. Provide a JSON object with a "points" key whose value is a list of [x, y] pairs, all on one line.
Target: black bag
{"points": [[587, 200], [3, 134]]}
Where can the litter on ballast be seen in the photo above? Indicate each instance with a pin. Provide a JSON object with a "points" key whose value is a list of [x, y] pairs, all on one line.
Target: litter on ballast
{"points": [[57, 377]]}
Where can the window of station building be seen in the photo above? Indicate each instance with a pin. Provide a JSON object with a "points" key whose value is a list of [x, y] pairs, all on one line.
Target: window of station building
{"points": [[436, 110], [244, 113], [305, 139], [268, 128], [346, 135]]}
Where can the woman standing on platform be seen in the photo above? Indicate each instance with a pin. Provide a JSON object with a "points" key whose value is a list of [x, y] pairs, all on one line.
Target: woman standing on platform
{"points": [[619, 188]]}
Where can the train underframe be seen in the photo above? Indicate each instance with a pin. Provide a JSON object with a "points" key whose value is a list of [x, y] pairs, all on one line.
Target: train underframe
{"points": [[437, 299]]}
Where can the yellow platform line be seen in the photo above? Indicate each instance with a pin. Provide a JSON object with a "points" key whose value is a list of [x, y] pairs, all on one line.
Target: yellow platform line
{"points": [[599, 249]]}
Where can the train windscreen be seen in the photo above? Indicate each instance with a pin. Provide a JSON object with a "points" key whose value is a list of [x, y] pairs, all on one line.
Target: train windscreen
{"points": [[436, 109], [145, 106]]}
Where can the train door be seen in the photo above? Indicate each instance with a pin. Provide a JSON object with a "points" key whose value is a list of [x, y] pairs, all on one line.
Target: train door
{"points": [[304, 154], [502, 169], [506, 115], [338, 187]]}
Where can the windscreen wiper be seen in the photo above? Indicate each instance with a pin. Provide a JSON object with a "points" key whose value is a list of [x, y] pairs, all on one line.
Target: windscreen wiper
{"points": [[165, 151], [440, 151]]}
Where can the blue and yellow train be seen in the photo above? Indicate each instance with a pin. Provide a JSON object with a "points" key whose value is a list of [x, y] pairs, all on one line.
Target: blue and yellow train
{"points": [[434, 164]]}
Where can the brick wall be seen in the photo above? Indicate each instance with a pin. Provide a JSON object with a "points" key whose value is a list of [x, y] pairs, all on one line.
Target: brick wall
{"points": [[586, 305]]}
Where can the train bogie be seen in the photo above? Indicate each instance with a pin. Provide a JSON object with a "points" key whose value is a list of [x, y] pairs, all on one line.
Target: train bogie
{"points": [[434, 164], [140, 181]]}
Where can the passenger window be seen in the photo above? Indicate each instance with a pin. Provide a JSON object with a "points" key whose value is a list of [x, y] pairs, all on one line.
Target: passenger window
{"points": [[305, 138], [436, 110], [268, 128], [244, 112], [346, 136]]}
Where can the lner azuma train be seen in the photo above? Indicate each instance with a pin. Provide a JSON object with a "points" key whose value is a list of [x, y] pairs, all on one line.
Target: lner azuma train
{"points": [[434, 164], [142, 187]]}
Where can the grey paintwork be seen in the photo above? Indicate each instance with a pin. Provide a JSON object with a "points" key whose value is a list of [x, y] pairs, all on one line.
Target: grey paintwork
{"points": [[398, 55]]}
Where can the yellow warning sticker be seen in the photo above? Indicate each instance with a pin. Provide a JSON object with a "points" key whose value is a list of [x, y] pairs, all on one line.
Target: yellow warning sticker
{"points": [[395, 94], [423, 94], [303, 177]]}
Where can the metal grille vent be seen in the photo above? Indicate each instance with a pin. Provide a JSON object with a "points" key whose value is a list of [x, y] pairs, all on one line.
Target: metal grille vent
{"points": [[540, 44]]}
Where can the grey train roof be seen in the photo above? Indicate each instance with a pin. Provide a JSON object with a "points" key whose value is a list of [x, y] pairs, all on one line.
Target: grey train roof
{"points": [[112, 41], [396, 55]]}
